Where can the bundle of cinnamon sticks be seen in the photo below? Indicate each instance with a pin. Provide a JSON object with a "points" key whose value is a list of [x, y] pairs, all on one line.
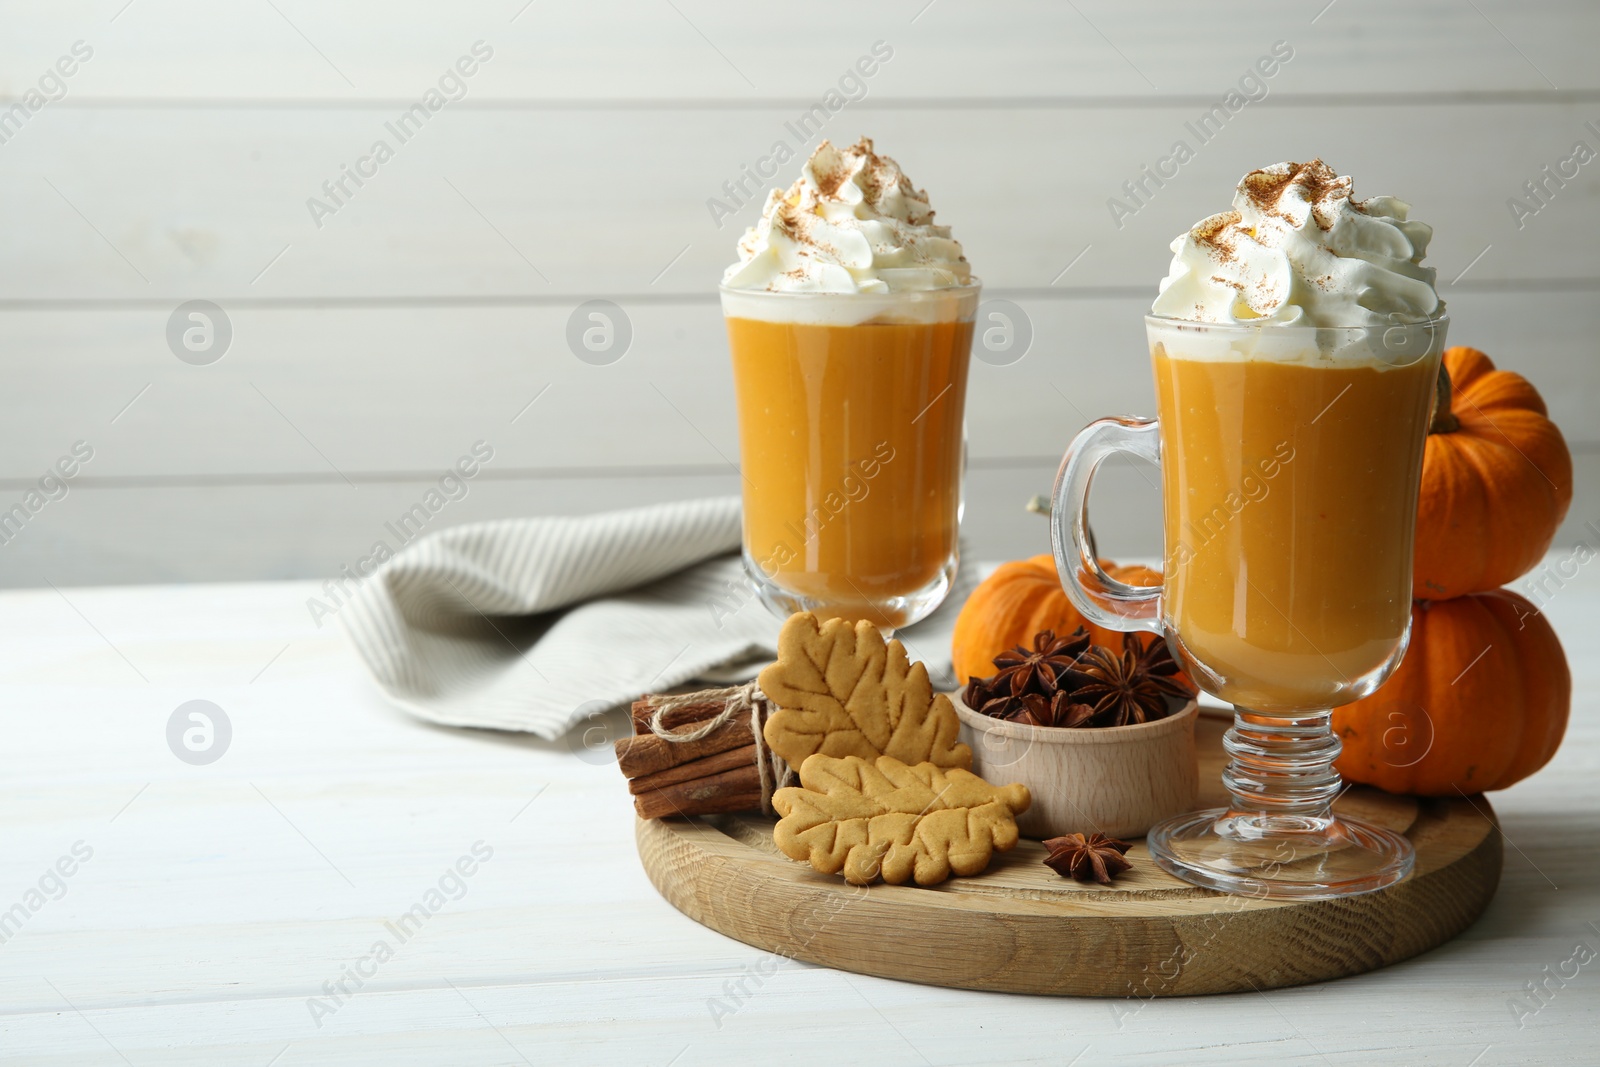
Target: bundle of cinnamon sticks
{"points": [[712, 774]]}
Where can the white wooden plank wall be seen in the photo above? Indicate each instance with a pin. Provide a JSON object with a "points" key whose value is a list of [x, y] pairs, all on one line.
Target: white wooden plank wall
{"points": [[431, 307]]}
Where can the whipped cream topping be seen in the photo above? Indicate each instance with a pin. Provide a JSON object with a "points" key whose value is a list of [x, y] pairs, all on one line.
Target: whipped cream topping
{"points": [[852, 223], [1297, 250]]}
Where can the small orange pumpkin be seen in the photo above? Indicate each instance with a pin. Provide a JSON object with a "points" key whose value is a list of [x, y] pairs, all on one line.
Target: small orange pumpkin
{"points": [[1017, 601], [1479, 702], [1496, 481]]}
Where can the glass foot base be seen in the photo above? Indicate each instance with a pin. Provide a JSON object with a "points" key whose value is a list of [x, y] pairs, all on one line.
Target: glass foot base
{"points": [[888, 613], [1280, 856]]}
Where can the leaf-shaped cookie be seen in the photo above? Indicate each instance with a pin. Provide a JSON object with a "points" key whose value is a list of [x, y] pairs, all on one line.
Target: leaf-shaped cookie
{"points": [[841, 690], [883, 818]]}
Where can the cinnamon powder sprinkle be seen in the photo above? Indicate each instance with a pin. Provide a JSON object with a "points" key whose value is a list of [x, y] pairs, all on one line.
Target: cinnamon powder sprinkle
{"points": [[828, 183], [1216, 232], [1320, 186]]}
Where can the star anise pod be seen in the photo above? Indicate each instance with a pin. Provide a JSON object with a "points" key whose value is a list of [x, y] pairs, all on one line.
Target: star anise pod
{"points": [[1023, 671], [980, 698], [1119, 691], [1096, 857], [1058, 710], [1154, 660], [1075, 713], [1030, 708]]}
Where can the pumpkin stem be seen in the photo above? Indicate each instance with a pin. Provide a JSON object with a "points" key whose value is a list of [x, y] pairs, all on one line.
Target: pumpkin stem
{"points": [[1444, 419]]}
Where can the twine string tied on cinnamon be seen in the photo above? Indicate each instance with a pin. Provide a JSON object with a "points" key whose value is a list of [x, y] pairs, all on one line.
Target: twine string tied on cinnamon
{"points": [[747, 699]]}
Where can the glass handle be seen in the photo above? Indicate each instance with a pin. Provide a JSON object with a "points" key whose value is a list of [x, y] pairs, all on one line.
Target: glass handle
{"points": [[1101, 599]]}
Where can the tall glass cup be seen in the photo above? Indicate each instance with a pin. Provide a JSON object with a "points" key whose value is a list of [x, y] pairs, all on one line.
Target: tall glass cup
{"points": [[1291, 461], [851, 446]]}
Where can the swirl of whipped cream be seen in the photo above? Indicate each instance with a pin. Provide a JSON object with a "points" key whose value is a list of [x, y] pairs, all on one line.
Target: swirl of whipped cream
{"points": [[1297, 250], [852, 223]]}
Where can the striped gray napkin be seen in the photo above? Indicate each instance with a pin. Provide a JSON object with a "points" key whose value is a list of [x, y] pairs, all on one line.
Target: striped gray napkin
{"points": [[536, 624]]}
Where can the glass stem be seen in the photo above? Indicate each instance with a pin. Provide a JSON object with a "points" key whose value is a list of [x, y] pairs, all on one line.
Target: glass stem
{"points": [[1280, 771]]}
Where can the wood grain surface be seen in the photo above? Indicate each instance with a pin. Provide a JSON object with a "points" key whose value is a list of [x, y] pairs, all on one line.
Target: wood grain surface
{"points": [[1021, 928]]}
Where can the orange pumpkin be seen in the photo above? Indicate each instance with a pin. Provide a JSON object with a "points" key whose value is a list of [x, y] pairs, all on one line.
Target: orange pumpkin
{"points": [[1017, 601], [1496, 481], [1479, 702]]}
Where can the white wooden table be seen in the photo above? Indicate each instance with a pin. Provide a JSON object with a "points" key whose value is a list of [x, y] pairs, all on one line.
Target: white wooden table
{"points": [[220, 903]]}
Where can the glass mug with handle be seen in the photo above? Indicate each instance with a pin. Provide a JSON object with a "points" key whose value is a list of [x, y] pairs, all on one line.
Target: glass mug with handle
{"points": [[1291, 462]]}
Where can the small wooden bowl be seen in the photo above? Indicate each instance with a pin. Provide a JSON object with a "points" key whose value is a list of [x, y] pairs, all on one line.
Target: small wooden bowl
{"points": [[1118, 780]]}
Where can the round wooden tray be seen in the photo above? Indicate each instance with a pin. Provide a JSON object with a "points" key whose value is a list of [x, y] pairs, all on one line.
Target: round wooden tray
{"points": [[1021, 928]]}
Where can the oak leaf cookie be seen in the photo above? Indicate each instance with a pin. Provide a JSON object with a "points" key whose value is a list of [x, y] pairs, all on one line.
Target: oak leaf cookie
{"points": [[883, 818], [842, 690]]}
